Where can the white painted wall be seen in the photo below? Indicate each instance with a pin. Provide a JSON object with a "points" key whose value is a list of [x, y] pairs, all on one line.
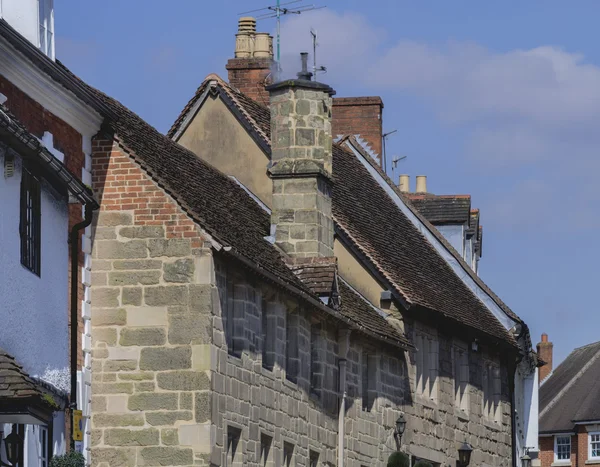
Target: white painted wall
{"points": [[34, 310], [23, 16]]}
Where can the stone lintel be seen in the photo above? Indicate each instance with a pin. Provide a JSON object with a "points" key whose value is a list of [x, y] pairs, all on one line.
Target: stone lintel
{"points": [[304, 168]]}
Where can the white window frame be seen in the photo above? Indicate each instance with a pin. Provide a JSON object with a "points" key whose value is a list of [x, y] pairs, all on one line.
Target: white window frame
{"points": [[556, 438], [46, 27], [590, 434]]}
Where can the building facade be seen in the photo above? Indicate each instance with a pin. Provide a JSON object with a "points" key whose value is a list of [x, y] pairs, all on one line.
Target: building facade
{"points": [[569, 410]]}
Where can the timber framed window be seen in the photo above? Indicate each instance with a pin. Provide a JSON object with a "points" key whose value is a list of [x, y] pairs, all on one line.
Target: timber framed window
{"points": [[30, 224], [562, 448]]}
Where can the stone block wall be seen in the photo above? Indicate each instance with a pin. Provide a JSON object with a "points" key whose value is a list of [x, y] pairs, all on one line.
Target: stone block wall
{"points": [[298, 414], [152, 296]]}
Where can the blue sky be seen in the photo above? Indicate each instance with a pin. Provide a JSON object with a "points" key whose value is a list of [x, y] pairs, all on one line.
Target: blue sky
{"points": [[496, 99]]}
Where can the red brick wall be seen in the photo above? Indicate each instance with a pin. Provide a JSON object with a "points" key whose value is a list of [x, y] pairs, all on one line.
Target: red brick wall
{"points": [[545, 351], [582, 445], [250, 76], [359, 115], [547, 451], [121, 185], [67, 140]]}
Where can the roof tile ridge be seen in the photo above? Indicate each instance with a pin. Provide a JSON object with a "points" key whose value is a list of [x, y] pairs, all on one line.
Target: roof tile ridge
{"points": [[586, 345], [228, 89], [568, 386]]}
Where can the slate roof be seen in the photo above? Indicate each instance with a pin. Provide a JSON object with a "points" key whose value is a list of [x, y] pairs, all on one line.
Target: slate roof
{"points": [[317, 273], [571, 393], [368, 216], [443, 209], [214, 200]]}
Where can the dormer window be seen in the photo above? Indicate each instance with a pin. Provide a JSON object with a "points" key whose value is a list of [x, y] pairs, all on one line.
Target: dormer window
{"points": [[46, 22]]}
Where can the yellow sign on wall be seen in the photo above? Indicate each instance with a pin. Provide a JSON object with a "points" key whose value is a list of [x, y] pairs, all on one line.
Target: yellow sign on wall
{"points": [[77, 425]]}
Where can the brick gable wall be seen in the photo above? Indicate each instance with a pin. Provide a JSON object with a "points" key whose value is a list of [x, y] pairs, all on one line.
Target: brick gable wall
{"points": [[359, 116]]}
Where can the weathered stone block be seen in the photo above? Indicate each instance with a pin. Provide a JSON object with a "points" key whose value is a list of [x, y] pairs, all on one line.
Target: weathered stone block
{"points": [[113, 457], [158, 359], [189, 328], [145, 231], [183, 381], [113, 249], [99, 404], [166, 295], [169, 247], [134, 278], [137, 264], [107, 335], [109, 317], [113, 388], [166, 456], [137, 376], [111, 219], [120, 365], [305, 137], [303, 107], [167, 418], [104, 233], [186, 401], [105, 297], [169, 436], [147, 316], [124, 437], [201, 298], [181, 270], [114, 420], [131, 296], [142, 336], [144, 386], [201, 357], [153, 401], [99, 278], [202, 410]]}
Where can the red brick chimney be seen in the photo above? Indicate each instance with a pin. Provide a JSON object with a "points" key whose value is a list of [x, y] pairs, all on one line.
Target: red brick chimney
{"points": [[544, 350], [250, 70], [359, 116]]}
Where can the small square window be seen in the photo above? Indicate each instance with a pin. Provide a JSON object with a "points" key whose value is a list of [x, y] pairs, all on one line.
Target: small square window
{"points": [[562, 448]]}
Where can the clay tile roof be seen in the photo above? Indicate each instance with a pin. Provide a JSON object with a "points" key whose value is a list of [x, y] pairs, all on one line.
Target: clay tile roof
{"points": [[219, 204], [358, 309], [443, 209], [571, 393], [317, 273], [15, 384], [366, 214]]}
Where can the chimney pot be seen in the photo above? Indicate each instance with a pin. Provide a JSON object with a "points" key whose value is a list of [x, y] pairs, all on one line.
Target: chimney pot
{"points": [[544, 337], [404, 183], [421, 184], [247, 25], [304, 74]]}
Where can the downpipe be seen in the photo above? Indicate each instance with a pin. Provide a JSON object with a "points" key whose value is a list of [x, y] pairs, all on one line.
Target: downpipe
{"points": [[344, 345], [74, 243]]}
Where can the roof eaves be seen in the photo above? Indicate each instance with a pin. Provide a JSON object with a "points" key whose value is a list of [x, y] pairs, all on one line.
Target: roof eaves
{"points": [[29, 146]]}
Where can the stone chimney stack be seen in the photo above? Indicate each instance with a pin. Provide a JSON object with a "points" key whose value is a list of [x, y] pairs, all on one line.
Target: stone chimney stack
{"points": [[544, 350], [301, 163], [250, 70]]}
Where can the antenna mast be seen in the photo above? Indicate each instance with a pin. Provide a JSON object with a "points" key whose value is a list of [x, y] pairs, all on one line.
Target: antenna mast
{"points": [[277, 11], [316, 69], [384, 137]]}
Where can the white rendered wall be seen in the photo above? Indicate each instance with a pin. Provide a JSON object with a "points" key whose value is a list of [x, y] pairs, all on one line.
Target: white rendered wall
{"points": [[23, 16], [34, 310]]}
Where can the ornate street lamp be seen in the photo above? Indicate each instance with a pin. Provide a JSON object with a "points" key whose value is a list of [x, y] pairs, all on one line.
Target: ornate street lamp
{"points": [[464, 455], [13, 446], [399, 431], [526, 460]]}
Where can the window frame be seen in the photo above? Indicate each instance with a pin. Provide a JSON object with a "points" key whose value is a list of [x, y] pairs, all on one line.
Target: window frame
{"points": [[370, 374], [46, 27], [461, 370], [590, 442], [427, 367], [30, 221], [556, 444]]}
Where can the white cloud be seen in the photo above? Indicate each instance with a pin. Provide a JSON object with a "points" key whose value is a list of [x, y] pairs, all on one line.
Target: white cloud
{"points": [[531, 113]]}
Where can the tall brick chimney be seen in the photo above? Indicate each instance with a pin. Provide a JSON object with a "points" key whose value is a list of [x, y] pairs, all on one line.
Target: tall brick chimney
{"points": [[359, 116], [544, 350], [250, 70], [301, 165]]}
